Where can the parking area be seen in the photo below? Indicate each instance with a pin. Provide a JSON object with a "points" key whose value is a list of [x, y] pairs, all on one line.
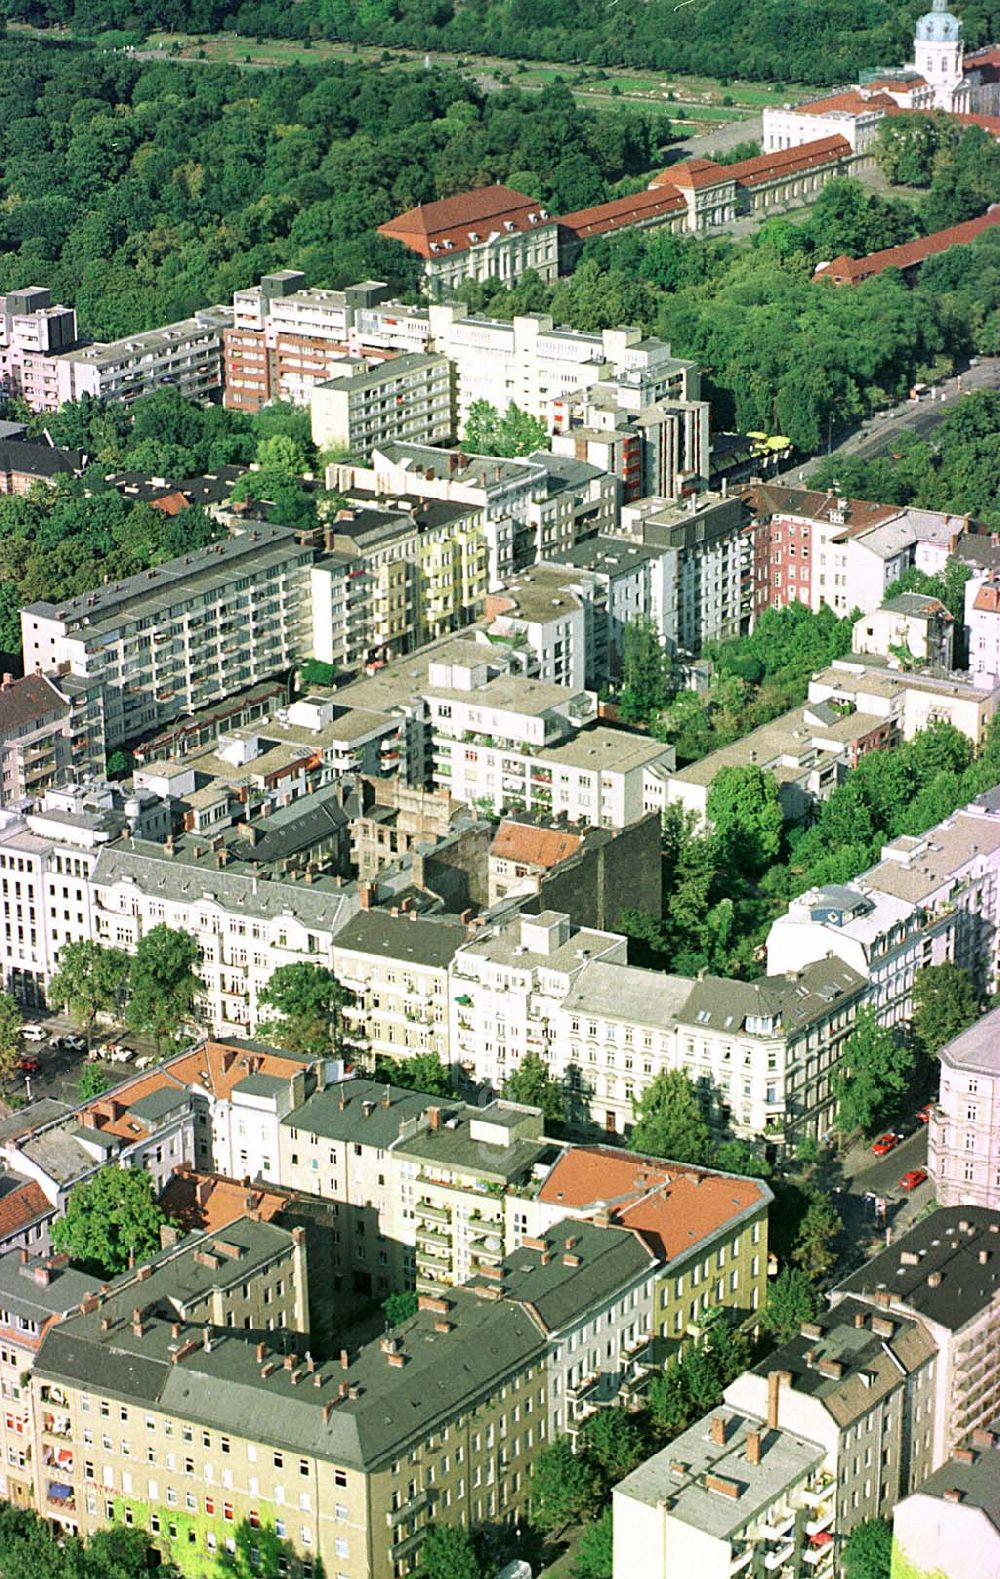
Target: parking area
{"points": [[55, 1056]]}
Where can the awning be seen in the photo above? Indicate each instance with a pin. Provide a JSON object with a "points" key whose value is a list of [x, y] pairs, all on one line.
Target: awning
{"points": [[58, 1492], [464, 999], [822, 1539]]}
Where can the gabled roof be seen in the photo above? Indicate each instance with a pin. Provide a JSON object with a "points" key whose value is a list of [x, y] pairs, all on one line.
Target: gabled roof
{"points": [[20, 1207], [699, 173], [674, 1207], [454, 224], [851, 271], [519, 841], [852, 102], [24, 701], [621, 212]]}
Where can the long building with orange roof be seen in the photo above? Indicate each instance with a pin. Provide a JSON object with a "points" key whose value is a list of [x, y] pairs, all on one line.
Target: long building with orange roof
{"points": [[700, 195], [909, 255], [707, 1230]]}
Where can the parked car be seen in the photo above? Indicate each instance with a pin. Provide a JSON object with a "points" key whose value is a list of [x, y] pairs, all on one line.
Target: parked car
{"points": [[923, 1114], [28, 1065], [913, 1179], [885, 1143], [69, 1044], [33, 1032], [119, 1053]]}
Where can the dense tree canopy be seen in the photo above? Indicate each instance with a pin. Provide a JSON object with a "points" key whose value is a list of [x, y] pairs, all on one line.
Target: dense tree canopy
{"points": [[139, 192], [818, 41]]}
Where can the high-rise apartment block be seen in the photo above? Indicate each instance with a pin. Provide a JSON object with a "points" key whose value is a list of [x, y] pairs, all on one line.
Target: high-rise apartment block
{"points": [[173, 638]]}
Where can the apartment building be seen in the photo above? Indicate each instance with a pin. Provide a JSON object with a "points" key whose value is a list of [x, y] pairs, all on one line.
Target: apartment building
{"points": [[808, 750], [457, 1172], [542, 612], [982, 625], [705, 565], [590, 1289], [708, 1231], [907, 700], [287, 337], [392, 579], [490, 234], [963, 1142], [246, 924], [950, 1525], [33, 333], [945, 1272], [616, 583], [220, 1431], [529, 760], [884, 938], [659, 448], [35, 1293], [762, 1054], [47, 859], [507, 984], [180, 635], [397, 968], [861, 1383], [338, 1145], [818, 548], [911, 628], [407, 397], [529, 508], [186, 355], [34, 737], [616, 1033], [732, 1492]]}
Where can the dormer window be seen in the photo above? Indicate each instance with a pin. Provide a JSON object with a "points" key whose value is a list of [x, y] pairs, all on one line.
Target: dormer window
{"points": [[509, 225], [435, 246], [544, 213], [473, 235]]}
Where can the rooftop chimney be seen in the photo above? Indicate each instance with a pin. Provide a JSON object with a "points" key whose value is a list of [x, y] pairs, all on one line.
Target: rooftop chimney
{"points": [[753, 1447], [718, 1430]]}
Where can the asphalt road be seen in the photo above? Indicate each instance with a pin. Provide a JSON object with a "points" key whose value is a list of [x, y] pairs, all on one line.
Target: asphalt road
{"points": [[914, 416], [59, 1071]]}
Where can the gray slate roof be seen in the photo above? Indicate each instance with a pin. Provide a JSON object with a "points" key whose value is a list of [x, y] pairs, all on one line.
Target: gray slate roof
{"points": [[611, 1259], [939, 1244]]}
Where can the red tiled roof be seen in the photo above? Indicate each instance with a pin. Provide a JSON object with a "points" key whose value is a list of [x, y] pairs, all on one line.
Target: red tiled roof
{"points": [[851, 102], [896, 84], [623, 211], [171, 503], [672, 1205], [851, 271], [208, 1202], [809, 504], [789, 161], [519, 841], [988, 598], [698, 173], [455, 220], [989, 123], [217, 1066], [20, 1207]]}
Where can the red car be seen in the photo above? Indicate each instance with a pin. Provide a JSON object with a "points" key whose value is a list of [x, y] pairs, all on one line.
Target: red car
{"points": [[28, 1066], [885, 1143], [923, 1114], [913, 1179]]}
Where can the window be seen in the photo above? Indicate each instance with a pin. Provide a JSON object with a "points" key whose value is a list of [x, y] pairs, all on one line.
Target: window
{"points": [[227, 1511]]}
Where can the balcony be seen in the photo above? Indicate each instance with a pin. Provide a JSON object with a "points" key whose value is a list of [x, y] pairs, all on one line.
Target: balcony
{"points": [[436, 1214], [56, 1425], [822, 1520], [434, 1239], [778, 1558], [60, 1495], [412, 1505], [741, 1560]]}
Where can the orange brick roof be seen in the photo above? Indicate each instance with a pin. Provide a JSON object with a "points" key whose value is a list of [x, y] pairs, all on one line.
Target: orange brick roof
{"points": [[623, 211], [171, 503], [989, 123], [988, 598], [216, 1066], [897, 84], [519, 841], [21, 1206], [698, 173], [851, 271], [671, 1205], [209, 1202], [426, 228], [789, 161], [852, 102]]}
